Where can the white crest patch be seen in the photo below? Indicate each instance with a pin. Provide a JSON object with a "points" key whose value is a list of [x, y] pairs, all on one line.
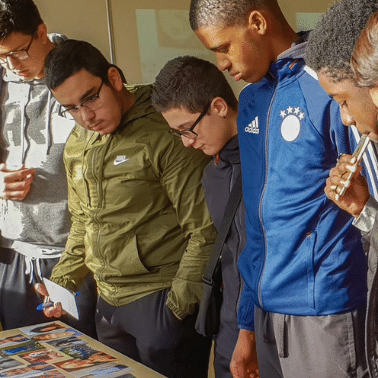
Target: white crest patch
{"points": [[291, 124]]}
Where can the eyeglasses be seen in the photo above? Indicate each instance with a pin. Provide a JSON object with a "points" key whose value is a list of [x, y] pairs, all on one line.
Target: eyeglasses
{"points": [[17, 55], [91, 103], [189, 133]]}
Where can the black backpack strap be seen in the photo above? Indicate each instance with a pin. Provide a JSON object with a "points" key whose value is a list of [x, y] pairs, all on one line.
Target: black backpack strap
{"points": [[229, 214]]}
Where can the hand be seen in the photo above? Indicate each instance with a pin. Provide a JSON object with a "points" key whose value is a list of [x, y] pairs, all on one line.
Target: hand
{"points": [[56, 310], [15, 185], [357, 192], [244, 359]]}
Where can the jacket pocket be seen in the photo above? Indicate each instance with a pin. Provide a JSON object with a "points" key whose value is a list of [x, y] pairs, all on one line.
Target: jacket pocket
{"points": [[125, 261], [309, 262]]}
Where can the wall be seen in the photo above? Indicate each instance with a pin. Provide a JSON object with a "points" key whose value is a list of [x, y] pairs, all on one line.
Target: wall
{"points": [[87, 20]]}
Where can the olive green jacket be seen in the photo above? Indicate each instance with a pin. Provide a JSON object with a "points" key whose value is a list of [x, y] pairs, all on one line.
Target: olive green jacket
{"points": [[139, 218]]}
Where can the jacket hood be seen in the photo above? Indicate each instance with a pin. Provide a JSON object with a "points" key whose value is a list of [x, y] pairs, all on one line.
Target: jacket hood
{"points": [[298, 49], [143, 106]]}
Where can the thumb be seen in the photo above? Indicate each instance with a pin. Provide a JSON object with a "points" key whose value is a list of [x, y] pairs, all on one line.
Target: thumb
{"points": [[41, 289]]}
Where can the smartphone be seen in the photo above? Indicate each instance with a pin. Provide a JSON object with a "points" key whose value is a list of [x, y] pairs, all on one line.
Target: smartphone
{"points": [[358, 154]]}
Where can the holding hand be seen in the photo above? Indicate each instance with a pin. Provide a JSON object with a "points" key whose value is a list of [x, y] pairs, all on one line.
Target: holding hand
{"points": [[244, 359], [15, 185], [357, 191], [55, 310]]}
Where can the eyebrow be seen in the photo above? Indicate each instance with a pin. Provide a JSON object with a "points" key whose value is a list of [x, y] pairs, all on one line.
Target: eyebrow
{"points": [[82, 98], [185, 125], [220, 46], [20, 47]]}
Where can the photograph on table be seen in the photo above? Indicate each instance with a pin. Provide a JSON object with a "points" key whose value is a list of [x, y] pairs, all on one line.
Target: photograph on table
{"points": [[8, 363], [44, 355], [32, 370], [66, 342], [28, 346]]}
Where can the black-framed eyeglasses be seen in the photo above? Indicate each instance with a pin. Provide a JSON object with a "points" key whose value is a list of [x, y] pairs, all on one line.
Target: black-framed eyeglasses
{"points": [[17, 55], [189, 133], [91, 103]]}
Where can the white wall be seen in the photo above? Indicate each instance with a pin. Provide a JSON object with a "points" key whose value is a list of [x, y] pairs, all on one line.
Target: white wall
{"points": [[142, 47]]}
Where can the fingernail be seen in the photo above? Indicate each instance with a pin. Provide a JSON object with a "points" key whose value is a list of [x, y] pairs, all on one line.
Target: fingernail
{"points": [[352, 168], [337, 197], [333, 187], [353, 160], [345, 184]]}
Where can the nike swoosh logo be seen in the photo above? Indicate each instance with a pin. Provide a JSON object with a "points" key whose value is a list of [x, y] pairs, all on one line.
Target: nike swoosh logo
{"points": [[120, 159]]}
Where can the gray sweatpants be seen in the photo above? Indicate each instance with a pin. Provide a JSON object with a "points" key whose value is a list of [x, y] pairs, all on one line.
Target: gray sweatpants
{"points": [[329, 346]]}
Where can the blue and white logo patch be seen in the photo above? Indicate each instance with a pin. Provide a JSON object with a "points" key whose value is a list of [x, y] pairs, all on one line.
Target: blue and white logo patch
{"points": [[291, 124]]}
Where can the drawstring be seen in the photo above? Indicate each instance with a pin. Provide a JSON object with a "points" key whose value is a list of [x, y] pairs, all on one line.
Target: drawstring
{"points": [[282, 353], [48, 128], [33, 267], [279, 335]]}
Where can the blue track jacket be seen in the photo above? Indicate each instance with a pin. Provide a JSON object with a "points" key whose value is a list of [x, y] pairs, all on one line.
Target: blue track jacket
{"points": [[302, 257]]}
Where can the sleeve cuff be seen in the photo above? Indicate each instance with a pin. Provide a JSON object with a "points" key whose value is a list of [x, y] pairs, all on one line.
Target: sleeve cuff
{"points": [[367, 217]]}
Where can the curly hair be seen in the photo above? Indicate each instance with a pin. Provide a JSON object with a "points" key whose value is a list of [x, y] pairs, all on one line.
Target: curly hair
{"points": [[365, 56], [331, 43], [190, 83], [223, 13]]}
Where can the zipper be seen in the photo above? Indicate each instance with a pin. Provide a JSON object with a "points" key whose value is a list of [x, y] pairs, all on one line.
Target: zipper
{"points": [[262, 197], [99, 159], [85, 170]]}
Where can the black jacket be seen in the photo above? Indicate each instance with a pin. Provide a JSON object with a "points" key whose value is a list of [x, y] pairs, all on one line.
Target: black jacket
{"points": [[218, 180]]}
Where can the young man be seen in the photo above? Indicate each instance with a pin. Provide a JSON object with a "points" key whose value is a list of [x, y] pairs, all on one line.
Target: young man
{"points": [[34, 219], [140, 221], [330, 51], [303, 265], [198, 103]]}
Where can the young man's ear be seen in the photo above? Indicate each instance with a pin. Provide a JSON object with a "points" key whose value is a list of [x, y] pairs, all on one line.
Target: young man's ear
{"points": [[220, 107], [42, 33], [115, 79], [257, 22]]}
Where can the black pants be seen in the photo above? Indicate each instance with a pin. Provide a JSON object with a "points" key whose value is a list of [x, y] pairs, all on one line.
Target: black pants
{"points": [[148, 332], [18, 299], [222, 366]]}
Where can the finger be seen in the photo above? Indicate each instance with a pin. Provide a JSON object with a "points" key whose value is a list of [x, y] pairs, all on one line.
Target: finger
{"points": [[335, 181], [19, 175], [18, 186], [54, 311], [344, 158], [15, 196], [41, 289]]}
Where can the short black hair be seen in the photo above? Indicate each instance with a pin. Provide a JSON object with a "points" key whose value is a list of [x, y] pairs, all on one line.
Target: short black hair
{"points": [[72, 56], [190, 83], [224, 13], [18, 16], [331, 43]]}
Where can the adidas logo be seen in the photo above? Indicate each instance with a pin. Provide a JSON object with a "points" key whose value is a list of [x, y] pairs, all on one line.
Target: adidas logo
{"points": [[253, 127]]}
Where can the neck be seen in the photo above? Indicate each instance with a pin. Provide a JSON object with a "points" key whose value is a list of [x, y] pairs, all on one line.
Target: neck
{"points": [[46, 49], [280, 33], [128, 100], [287, 37]]}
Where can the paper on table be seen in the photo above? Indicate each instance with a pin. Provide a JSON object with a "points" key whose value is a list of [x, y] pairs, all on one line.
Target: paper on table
{"points": [[58, 293]]}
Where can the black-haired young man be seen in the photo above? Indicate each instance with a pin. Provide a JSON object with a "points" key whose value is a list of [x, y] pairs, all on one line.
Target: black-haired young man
{"points": [[198, 103], [140, 221], [34, 219], [330, 52], [303, 265]]}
